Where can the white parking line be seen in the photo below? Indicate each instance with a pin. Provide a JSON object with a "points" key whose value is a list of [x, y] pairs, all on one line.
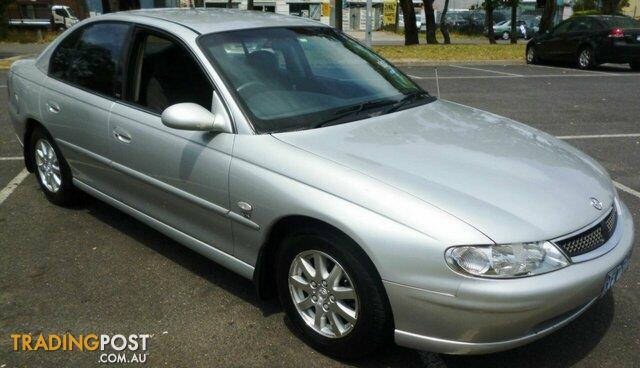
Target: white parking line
{"points": [[595, 136], [3, 86], [569, 69], [13, 184], [626, 189], [16, 158], [486, 70], [603, 75]]}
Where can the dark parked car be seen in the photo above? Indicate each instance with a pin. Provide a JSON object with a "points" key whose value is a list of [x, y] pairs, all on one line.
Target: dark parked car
{"points": [[589, 41]]}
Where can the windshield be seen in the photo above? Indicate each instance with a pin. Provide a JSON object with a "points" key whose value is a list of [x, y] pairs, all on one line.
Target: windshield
{"points": [[306, 77], [70, 12]]}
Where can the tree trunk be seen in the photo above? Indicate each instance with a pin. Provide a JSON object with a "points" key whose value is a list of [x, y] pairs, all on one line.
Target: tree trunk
{"points": [[444, 27], [338, 14], [514, 15], [431, 21], [410, 29], [488, 22], [249, 4], [546, 22], [230, 4]]}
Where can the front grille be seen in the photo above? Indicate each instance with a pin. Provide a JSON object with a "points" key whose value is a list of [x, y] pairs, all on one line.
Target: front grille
{"points": [[590, 239]]}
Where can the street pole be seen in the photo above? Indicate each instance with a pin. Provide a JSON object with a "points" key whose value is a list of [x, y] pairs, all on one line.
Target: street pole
{"points": [[367, 36]]}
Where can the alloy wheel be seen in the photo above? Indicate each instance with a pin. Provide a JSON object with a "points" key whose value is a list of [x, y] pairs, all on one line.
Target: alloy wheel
{"points": [[48, 166], [323, 294], [530, 55], [585, 58]]}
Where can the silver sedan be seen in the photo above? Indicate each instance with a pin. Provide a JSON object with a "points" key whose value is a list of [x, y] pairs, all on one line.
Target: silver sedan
{"points": [[296, 157]]}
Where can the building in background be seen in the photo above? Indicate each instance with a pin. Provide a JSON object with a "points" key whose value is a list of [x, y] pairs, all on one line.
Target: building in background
{"points": [[633, 10]]}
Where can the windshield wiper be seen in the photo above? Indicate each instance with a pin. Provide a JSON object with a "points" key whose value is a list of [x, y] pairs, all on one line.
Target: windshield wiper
{"points": [[406, 100], [352, 111]]}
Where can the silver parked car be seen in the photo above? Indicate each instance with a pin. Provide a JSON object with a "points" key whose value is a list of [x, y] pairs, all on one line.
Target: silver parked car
{"points": [[300, 159]]}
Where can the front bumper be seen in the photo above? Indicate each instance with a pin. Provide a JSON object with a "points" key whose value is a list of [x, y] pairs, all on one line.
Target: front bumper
{"points": [[489, 315]]}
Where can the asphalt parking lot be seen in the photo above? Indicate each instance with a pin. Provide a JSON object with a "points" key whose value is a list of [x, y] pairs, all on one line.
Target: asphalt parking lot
{"points": [[94, 269]]}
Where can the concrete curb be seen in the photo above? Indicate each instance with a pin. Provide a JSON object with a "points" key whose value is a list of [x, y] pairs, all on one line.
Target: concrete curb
{"points": [[418, 62]]}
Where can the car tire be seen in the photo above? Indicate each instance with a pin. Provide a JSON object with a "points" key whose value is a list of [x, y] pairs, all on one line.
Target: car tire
{"points": [[531, 55], [51, 169], [586, 58], [506, 36], [350, 325], [635, 65]]}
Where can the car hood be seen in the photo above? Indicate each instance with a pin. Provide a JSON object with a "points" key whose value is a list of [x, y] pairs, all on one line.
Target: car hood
{"points": [[510, 181]]}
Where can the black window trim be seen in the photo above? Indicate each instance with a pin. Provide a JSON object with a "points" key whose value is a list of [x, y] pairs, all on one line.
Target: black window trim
{"points": [[123, 57]]}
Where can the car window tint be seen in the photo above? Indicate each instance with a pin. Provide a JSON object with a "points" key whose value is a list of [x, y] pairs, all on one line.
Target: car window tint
{"points": [[563, 27], [91, 57], [167, 75], [581, 25]]}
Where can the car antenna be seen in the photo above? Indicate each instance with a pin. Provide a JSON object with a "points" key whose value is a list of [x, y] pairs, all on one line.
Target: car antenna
{"points": [[437, 83]]}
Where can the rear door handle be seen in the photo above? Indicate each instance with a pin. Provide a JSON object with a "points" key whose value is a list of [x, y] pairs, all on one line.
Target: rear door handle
{"points": [[122, 136], [53, 107]]}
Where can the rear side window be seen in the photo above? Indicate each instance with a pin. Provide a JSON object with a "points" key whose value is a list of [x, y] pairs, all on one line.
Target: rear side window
{"points": [[91, 57], [582, 25], [623, 22]]}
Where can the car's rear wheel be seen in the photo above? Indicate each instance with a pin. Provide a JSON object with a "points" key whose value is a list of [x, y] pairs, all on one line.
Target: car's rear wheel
{"points": [[531, 55], [586, 59], [332, 294], [635, 65], [52, 171]]}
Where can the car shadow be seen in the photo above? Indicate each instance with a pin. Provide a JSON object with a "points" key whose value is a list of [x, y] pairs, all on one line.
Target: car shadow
{"points": [[608, 68], [560, 349], [180, 254]]}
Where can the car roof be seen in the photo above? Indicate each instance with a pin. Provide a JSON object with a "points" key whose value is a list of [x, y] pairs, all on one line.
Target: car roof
{"points": [[210, 20]]}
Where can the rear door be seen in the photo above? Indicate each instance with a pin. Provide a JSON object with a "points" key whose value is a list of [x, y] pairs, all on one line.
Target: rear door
{"points": [[177, 177], [579, 34], [85, 73]]}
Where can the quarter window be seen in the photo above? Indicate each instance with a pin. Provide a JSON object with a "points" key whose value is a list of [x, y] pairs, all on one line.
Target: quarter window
{"points": [[91, 57], [164, 74]]}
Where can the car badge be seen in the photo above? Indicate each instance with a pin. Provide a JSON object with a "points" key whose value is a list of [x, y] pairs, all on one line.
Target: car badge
{"points": [[596, 204]]}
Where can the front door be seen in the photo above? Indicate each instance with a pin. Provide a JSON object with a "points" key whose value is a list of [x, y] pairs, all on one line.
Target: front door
{"points": [[179, 178]]}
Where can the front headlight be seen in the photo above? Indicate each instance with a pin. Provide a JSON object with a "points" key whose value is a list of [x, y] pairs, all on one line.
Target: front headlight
{"points": [[506, 261]]}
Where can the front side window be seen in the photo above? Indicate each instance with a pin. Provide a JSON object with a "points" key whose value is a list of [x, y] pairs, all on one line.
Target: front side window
{"points": [[91, 57], [303, 77], [563, 27], [164, 74]]}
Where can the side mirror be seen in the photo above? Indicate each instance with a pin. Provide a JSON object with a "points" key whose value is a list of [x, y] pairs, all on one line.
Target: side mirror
{"points": [[191, 116]]}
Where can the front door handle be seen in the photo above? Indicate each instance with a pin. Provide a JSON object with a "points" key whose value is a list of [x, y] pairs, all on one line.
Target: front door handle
{"points": [[53, 107], [122, 136]]}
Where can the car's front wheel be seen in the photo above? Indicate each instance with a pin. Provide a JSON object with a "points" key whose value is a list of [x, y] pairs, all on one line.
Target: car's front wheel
{"points": [[332, 294], [506, 36], [531, 56], [52, 171]]}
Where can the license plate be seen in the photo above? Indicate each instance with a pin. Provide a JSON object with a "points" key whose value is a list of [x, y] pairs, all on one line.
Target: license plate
{"points": [[614, 275]]}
